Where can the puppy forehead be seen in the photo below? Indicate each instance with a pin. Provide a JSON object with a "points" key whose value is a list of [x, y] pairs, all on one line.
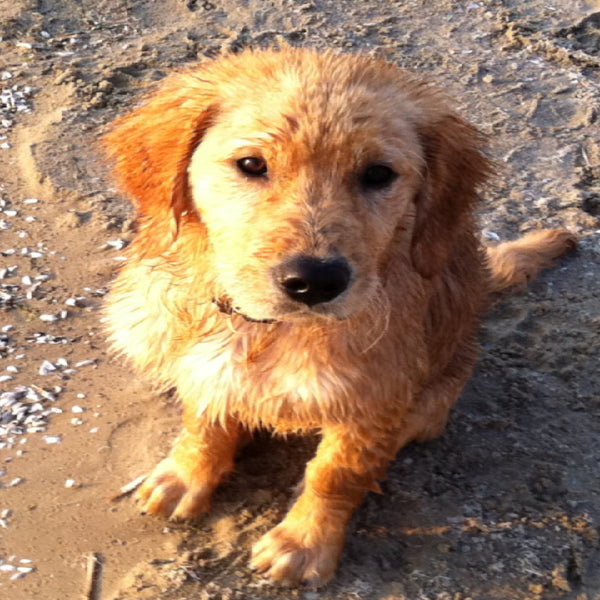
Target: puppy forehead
{"points": [[322, 107]]}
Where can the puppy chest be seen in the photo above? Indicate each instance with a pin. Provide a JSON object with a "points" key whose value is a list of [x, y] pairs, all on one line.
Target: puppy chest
{"points": [[289, 387]]}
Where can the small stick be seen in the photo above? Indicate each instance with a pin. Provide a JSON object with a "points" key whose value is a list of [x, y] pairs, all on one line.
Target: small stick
{"points": [[128, 488], [93, 577]]}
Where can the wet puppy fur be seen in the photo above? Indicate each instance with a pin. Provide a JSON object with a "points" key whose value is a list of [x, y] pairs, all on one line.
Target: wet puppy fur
{"points": [[307, 259]]}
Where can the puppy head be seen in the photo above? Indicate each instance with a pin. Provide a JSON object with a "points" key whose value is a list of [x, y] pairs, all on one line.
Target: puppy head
{"points": [[312, 175]]}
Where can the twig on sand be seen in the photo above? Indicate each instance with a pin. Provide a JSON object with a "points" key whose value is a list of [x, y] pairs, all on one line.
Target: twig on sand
{"points": [[128, 488], [93, 577]]}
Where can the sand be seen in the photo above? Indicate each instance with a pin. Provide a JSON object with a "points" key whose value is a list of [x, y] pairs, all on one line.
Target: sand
{"points": [[503, 506]]}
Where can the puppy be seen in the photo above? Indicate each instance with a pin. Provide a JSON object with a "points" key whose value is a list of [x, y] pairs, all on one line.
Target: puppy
{"points": [[307, 260]]}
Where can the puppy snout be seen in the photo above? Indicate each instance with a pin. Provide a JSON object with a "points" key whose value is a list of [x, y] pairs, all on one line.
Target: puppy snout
{"points": [[312, 280]]}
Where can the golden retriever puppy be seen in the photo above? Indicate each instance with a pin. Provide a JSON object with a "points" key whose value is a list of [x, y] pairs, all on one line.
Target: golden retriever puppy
{"points": [[307, 260]]}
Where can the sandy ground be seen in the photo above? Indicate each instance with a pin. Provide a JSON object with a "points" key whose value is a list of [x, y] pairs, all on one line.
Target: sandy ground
{"points": [[503, 506]]}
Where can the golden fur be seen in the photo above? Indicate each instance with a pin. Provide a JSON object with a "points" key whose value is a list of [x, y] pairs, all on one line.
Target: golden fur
{"points": [[197, 305]]}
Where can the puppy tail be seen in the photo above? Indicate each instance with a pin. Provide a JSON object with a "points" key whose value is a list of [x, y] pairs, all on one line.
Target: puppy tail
{"points": [[519, 262]]}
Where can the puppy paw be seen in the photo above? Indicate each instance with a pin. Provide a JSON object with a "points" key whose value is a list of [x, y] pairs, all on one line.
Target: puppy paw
{"points": [[290, 556], [167, 491]]}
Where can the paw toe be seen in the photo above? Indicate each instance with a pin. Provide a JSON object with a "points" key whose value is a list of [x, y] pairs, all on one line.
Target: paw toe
{"points": [[166, 493], [162, 498], [286, 560]]}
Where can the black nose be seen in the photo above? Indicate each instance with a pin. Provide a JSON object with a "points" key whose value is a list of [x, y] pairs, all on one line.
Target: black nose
{"points": [[313, 280]]}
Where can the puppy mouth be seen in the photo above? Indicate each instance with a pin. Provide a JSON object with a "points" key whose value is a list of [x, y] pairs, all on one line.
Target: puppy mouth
{"points": [[226, 307]]}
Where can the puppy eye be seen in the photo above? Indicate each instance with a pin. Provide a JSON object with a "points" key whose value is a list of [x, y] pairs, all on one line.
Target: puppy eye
{"points": [[377, 177], [253, 166]]}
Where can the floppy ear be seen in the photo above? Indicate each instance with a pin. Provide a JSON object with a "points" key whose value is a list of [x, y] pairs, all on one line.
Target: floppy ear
{"points": [[455, 167], [152, 147]]}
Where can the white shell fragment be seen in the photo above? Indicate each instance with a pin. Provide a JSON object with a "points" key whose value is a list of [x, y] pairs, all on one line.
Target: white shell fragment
{"points": [[78, 301], [7, 567], [51, 396], [117, 244], [129, 487], [53, 439], [18, 575], [491, 235], [48, 318], [7, 272], [85, 363], [46, 368]]}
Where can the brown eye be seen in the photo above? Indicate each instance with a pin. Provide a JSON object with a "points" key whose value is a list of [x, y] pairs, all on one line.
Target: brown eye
{"points": [[253, 166], [377, 177]]}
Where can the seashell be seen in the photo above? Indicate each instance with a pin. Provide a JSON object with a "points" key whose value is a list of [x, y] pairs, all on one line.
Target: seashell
{"points": [[47, 318], [85, 363], [46, 368]]}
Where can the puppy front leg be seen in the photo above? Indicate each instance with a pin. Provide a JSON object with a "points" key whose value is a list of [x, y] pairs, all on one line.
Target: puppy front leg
{"points": [[306, 545], [182, 484]]}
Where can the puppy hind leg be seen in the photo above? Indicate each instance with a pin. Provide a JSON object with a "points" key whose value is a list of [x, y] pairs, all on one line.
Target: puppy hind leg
{"points": [[431, 408], [182, 484]]}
